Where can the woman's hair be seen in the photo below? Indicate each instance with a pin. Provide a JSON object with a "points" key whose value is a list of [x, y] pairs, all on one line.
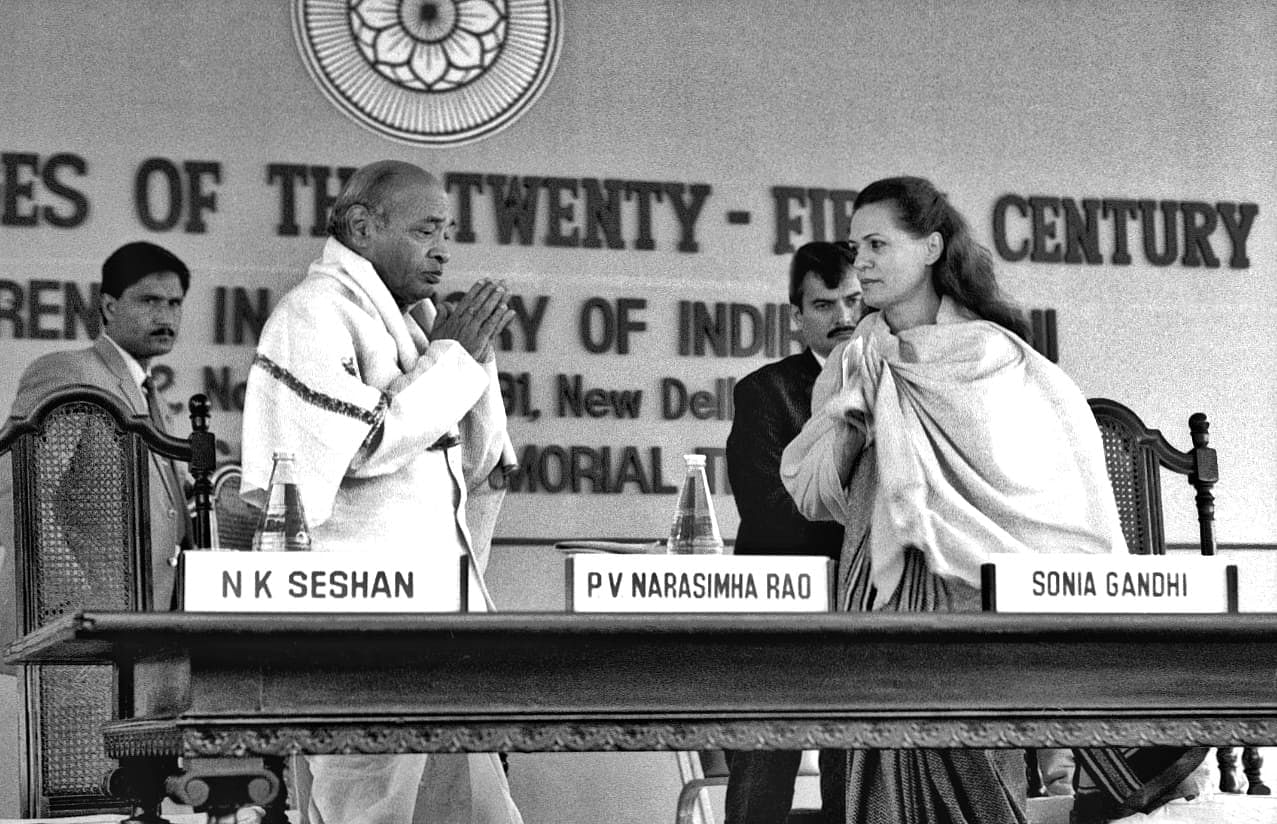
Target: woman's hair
{"points": [[964, 271]]}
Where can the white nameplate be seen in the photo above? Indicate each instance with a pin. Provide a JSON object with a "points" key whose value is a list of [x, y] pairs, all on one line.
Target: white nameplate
{"points": [[320, 582], [1110, 583], [698, 583]]}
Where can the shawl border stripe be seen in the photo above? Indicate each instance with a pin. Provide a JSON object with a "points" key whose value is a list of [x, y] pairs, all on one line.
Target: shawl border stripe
{"points": [[326, 402]]}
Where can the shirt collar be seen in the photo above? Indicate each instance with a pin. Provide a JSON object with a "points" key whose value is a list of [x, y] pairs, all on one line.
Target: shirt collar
{"points": [[135, 369]]}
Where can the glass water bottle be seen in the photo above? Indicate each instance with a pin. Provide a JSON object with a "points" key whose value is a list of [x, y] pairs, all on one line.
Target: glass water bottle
{"points": [[283, 526], [695, 527]]}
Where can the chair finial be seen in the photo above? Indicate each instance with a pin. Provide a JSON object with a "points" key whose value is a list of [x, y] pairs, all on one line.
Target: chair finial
{"points": [[203, 462], [200, 409]]}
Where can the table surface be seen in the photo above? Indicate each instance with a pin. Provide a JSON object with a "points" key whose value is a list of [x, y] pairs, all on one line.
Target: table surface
{"points": [[266, 684], [100, 636]]}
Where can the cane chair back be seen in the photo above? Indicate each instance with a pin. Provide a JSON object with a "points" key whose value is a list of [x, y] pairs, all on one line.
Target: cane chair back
{"points": [[1140, 779], [234, 520], [1135, 455], [82, 534]]}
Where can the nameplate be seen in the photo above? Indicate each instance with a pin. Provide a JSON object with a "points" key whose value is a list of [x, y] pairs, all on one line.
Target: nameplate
{"points": [[1109, 584], [698, 583], [320, 582]]}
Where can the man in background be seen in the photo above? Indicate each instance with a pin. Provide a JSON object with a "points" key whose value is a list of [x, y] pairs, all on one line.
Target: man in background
{"points": [[142, 291], [772, 404], [391, 407]]}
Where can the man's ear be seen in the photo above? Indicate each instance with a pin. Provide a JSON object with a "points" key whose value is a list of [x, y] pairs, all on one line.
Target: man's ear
{"points": [[106, 308], [935, 247], [359, 225], [795, 317]]}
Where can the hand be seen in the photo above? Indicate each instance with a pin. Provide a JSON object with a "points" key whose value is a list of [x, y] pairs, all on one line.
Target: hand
{"points": [[476, 319], [848, 444], [858, 420]]}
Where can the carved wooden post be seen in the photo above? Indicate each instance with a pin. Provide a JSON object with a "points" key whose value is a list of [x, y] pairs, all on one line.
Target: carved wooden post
{"points": [[277, 809], [141, 781], [203, 461], [1204, 476], [220, 786], [1252, 761], [1227, 769]]}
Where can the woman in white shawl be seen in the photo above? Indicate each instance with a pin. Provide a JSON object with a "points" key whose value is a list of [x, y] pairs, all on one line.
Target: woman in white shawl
{"points": [[939, 436]]}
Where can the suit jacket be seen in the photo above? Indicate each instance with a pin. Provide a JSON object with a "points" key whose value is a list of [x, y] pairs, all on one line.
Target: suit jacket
{"points": [[772, 404], [103, 366]]}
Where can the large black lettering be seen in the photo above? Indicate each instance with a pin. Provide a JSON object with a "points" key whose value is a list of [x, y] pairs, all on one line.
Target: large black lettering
{"points": [[1170, 233], [465, 183], [645, 193], [322, 197], [786, 226], [1000, 227], [1199, 222], [288, 175], [559, 213], [38, 308], [198, 199], [74, 197], [602, 213], [20, 171], [170, 183], [1237, 219], [687, 211], [1120, 210], [514, 203], [1082, 231], [78, 308], [1044, 230]]}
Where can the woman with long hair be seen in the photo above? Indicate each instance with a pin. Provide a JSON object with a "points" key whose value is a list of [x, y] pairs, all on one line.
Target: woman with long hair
{"points": [[939, 437]]}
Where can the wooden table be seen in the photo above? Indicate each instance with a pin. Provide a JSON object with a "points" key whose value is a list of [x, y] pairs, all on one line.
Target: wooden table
{"points": [[213, 686]]}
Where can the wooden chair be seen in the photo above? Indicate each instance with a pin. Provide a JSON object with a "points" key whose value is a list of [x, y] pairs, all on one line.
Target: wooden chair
{"points": [[714, 773], [1130, 780], [1135, 455], [234, 521], [80, 485]]}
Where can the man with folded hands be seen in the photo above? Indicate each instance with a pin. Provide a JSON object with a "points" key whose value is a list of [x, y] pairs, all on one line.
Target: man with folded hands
{"points": [[391, 407]]}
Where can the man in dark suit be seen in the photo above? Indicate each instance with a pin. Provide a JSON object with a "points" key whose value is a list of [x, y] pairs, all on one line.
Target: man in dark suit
{"points": [[772, 404], [143, 287]]}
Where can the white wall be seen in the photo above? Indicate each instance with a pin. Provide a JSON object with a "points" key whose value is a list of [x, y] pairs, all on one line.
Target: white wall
{"points": [[1088, 99], [1170, 101]]}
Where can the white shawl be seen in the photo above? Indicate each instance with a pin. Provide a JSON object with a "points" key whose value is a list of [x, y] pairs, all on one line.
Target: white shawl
{"points": [[979, 446], [352, 385]]}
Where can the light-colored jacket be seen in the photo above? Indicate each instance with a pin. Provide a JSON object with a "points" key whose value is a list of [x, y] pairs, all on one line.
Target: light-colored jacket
{"points": [[103, 366]]}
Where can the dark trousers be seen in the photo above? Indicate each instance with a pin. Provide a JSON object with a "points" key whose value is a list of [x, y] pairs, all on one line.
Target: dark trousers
{"points": [[760, 785]]}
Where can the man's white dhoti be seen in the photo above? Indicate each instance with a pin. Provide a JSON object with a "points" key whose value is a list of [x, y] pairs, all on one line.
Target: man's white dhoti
{"points": [[435, 789], [394, 437]]}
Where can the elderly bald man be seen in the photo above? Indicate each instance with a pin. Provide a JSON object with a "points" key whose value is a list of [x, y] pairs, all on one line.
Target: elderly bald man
{"points": [[391, 407]]}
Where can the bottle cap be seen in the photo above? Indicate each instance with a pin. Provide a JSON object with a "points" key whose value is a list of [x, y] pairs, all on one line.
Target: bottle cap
{"points": [[694, 460]]}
